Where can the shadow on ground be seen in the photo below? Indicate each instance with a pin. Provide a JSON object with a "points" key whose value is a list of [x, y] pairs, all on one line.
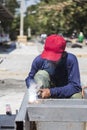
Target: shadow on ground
{"points": [[7, 48]]}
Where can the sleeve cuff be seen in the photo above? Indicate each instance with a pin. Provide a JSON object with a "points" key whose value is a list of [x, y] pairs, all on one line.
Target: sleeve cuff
{"points": [[53, 92]]}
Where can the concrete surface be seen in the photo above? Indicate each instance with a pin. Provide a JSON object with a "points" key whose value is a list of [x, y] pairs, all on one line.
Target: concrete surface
{"points": [[15, 67], [13, 71]]}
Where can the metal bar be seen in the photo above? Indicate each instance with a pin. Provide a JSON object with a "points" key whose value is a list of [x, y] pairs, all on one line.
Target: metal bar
{"points": [[7, 121], [19, 125], [59, 110], [53, 114], [21, 118]]}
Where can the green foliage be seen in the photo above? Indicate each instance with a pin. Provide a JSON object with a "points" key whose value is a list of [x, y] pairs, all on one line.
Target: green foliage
{"points": [[49, 16], [52, 19], [12, 5], [11, 26], [14, 31]]}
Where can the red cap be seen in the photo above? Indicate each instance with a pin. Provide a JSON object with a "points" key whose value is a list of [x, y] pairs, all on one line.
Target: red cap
{"points": [[54, 47]]}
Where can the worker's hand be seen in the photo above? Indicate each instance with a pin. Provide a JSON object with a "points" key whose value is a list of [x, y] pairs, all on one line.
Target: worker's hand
{"points": [[44, 93], [83, 90]]}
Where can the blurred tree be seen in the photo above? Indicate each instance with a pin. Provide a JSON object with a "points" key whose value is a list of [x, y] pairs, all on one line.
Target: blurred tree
{"points": [[53, 16], [58, 16], [12, 5]]}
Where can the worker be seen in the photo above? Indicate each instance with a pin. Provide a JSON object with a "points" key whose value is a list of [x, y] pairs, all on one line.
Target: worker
{"points": [[55, 71]]}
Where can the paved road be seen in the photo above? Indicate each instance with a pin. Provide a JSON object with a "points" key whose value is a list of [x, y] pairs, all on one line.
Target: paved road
{"points": [[13, 71], [15, 67]]}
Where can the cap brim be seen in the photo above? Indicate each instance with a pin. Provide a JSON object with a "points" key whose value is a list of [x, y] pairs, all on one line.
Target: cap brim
{"points": [[50, 55]]}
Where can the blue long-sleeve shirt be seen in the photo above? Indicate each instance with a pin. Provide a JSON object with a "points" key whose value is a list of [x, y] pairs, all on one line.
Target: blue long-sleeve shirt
{"points": [[66, 76]]}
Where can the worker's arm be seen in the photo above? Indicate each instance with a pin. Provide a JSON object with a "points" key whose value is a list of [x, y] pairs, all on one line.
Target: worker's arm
{"points": [[36, 65], [83, 91]]}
